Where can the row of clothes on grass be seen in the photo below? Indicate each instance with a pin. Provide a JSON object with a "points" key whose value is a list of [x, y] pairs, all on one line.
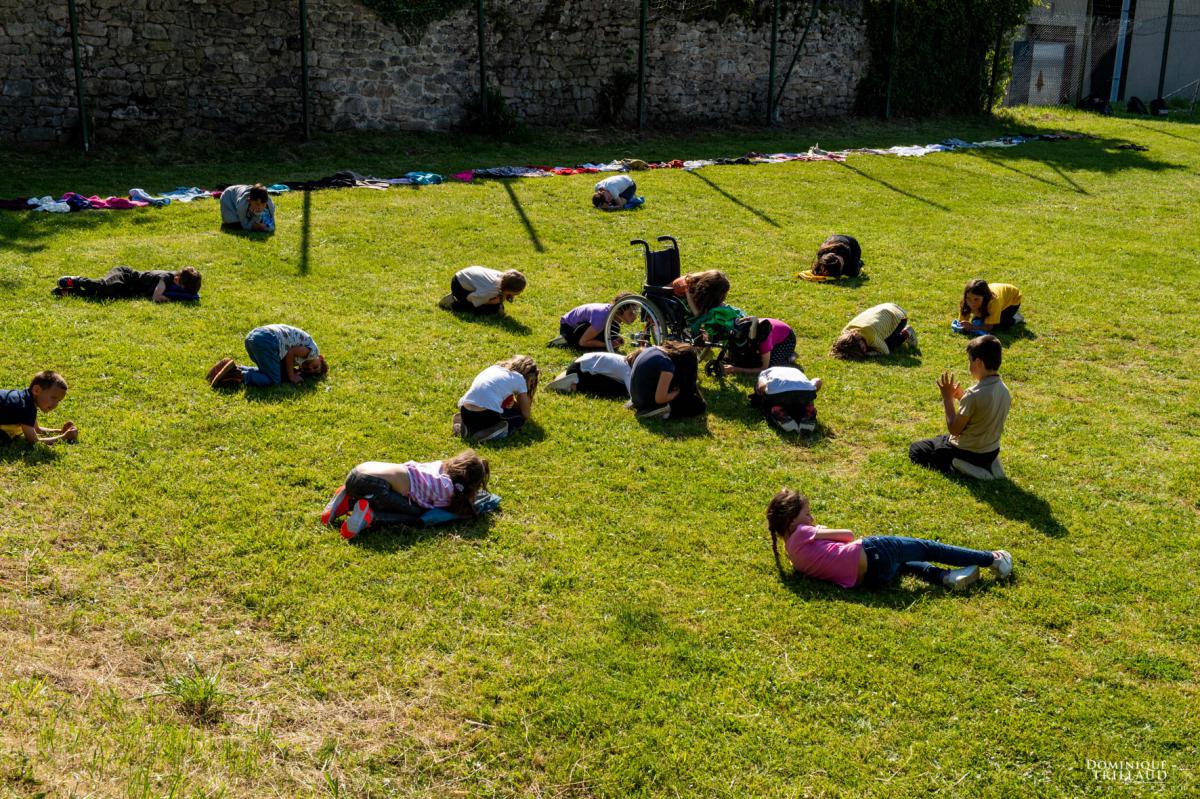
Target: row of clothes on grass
{"points": [[139, 198]]}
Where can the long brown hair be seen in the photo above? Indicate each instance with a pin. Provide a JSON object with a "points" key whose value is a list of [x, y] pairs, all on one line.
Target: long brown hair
{"points": [[469, 473], [980, 288], [707, 289], [782, 511], [526, 368], [832, 258]]}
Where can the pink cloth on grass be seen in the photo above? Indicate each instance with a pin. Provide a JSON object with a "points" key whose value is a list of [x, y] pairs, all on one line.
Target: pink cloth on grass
{"points": [[115, 203]]}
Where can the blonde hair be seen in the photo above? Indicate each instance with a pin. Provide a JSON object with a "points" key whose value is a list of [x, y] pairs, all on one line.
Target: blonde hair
{"points": [[526, 368]]}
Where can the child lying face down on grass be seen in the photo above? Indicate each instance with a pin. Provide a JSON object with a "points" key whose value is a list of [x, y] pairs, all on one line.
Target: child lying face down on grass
{"points": [[247, 208], [499, 400], [612, 193], [582, 327], [786, 397], [279, 352], [879, 330], [480, 290], [19, 408], [122, 282], [663, 382], [378, 493], [600, 374], [872, 562], [759, 343], [989, 306]]}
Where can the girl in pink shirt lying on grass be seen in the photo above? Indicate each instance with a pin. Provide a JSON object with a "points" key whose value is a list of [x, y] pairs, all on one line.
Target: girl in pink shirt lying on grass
{"points": [[871, 562], [400, 493]]}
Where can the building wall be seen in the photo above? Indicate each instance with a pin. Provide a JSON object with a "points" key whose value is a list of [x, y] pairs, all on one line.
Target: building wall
{"points": [[211, 67]]}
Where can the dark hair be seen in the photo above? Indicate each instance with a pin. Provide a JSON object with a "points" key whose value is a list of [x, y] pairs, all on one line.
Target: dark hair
{"points": [[189, 279], [469, 473], [258, 193], [850, 345], [835, 258], [322, 367], [829, 264], [48, 379], [979, 288], [782, 511], [513, 281], [987, 349], [622, 295], [526, 368], [598, 200], [708, 289]]}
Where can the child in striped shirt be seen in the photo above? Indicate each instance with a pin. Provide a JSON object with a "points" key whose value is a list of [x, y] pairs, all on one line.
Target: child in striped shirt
{"points": [[378, 493]]}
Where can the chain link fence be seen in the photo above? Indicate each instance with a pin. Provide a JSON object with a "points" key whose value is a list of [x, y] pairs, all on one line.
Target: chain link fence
{"points": [[1072, 51]]}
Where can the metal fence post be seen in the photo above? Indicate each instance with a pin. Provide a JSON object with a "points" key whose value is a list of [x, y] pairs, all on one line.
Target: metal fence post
{"points": [[771, 73], [887, 106], [83, 122], [483, 98], [1119, 62], [304, 69], [1162, 70], [641, 95]]}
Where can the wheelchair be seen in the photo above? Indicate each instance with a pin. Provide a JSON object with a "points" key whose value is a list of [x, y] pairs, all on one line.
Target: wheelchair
{"points": [[663, 315]]}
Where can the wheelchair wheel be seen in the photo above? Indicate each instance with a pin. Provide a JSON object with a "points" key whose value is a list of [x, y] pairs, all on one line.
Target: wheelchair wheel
{"points": [[647, 331]]}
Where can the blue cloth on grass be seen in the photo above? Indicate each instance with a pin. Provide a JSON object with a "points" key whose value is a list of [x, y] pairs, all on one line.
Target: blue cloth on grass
{"points": [[424, 178], [957, 326], [485, 502]]}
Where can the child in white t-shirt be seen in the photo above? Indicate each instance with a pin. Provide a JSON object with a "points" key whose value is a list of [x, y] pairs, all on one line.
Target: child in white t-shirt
{"points": [[600, 374], [786, 395], [499, 400], [480, 290], [612, 193]]}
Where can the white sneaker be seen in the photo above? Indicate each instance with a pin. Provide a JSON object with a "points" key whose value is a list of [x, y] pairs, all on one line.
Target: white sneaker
{"points": [[1018, 319], [557, 341], [912, 337], [959, 579], [1002, 566], [663, 411], [998, 470], [971, 470], [565, 383], [496, 431], [447, 302], [456, 424]]}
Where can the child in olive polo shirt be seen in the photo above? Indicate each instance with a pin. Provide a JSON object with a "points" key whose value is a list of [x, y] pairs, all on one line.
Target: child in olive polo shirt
{"points": [[972, 446]]}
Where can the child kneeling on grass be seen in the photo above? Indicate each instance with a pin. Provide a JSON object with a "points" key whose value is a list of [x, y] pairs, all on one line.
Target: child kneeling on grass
{"points": [[378, 493], [759, 343], [613, 193], [247, 208], [786, 396], [837, 556], [480, 290], [972, 446], [123, 282], [989, 306], [280, 352], [499, 400], [839, 256], [19, 408], [876, 331], [582, 327], [600, 374], [662, 382]]}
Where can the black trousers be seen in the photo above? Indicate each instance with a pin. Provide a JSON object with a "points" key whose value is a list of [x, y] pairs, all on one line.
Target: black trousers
{"points": [[121, 282], [938, 452], [461, 303], [474, 421], [897, 338], [597, 385], [794, 403], [1006, 317], [388, 505]]}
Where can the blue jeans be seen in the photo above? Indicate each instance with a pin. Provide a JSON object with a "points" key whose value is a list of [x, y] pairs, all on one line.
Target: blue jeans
{"points": [[263, 348], [889, 556]]}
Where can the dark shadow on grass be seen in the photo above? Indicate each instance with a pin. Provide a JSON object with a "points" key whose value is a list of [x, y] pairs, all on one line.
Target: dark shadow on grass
{"points": [[902, 594], [1015, 333], [257, 236], [529, 433], [1153, 129], [495, 320], [894, 188], [1013, 502], [696, 174], [997, 162], [12, 451], [394, 538], [842, 282], [305, 221], [529, 228], [22, 231], [285, 392], [691, 427]]}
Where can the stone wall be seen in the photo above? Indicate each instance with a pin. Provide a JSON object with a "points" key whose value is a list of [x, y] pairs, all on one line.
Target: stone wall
{"points": [[162, 68]]}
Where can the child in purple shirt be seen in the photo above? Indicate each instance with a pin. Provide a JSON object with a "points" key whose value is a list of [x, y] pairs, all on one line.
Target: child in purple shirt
{"points": [[871, 562], [582, 327]]}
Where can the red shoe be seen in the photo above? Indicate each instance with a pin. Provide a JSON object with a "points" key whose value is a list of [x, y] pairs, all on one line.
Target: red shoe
{"points": [[360, 519], [338, 506]]}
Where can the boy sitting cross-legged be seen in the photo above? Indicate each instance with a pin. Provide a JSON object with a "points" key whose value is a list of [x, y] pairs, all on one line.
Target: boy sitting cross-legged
{"points": [[972, 446]]}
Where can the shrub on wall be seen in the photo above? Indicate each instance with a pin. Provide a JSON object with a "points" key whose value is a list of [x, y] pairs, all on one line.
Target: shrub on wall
{"points": [[943, 59]]}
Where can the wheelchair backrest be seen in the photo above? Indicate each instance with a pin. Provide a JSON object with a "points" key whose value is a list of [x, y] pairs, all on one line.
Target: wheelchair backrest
{"points": [[662, 266]]}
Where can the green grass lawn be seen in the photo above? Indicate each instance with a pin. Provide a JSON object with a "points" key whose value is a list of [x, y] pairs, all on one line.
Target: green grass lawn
{"points": [[174, 620]]}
